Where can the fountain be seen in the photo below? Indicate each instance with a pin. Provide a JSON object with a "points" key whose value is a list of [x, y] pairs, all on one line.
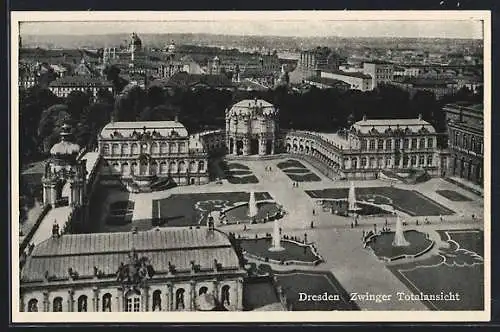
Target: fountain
{"points": [[276, 244], [399, 237], [252, 205], [351, 200]]}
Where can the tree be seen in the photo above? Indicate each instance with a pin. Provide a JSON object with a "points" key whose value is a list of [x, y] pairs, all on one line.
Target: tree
{"points": [[51, 121], [77, 102], [130, 104]]}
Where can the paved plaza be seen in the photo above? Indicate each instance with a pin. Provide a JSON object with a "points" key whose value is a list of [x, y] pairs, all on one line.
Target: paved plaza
{"points": [[354, 267]]}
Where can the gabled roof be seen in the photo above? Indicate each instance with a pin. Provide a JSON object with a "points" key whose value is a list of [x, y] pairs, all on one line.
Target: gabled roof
{"points": [[127, 129], [185, 80]]}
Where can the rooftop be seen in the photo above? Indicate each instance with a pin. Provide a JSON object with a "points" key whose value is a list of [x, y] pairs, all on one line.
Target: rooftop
{"points": [[365, 126], [80, 81], [106, 251], [127, 129], [350, 74]]}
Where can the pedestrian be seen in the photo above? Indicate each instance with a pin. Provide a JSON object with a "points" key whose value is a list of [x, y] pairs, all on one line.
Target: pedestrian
{"points": [[375, 228], [416, 223], [314, 213], [312, 224], [352, 225]]}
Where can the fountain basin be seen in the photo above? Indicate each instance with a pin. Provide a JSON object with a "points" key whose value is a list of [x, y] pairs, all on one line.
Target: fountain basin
{"points": [[382, 246], [293, 253], [239, 213], [362, 208]]}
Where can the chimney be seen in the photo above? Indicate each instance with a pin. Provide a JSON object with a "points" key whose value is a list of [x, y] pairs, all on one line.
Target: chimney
{"points": [[364, 117], [176, 118], [420, 116]]}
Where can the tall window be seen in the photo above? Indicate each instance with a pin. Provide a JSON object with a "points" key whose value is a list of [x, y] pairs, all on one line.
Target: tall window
{"points": [[82, 303], [406, 143], [179, 299], [33, 305], [421, 160], [473, 143], [57, 304], [225, 295], [354, 163], [135, 149], [388, 144], [372, 144], [429, 160], [413, 143], [105, 149], [157, 300], [421, 145], [380, 144], [115, 149], [133, 303], [363, 144], [455, 142], [413, 160], [363, 162], [106, 302], [397, 144], [430, 143]]}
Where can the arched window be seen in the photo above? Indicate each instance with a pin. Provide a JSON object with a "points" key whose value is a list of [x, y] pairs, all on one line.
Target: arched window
{"points": [[125, 169], [201, 166], [163, 148], [57, 304], [224, 299], [125, 149], [82, 303], [203, 290], [173, 167], [33, 305], [163, 168], [106, 302], [192, 166], [388, 144], [173, 148], [421, 144], [154, 168], [182, 167], [116, 168], [105, 149], [135, 149], [157, 300], [115, 149], [179, 299], [155, 149]]}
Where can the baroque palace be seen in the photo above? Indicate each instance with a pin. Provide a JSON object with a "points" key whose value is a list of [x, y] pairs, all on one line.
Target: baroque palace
{"points": [[172, 269], [168, 269]]}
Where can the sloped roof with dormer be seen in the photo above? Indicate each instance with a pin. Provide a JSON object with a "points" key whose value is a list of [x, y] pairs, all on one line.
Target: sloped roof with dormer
{"points": [[153, 128], [368, 126], [164, 247]]}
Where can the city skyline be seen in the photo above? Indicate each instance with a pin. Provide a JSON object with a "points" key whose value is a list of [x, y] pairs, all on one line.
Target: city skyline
{"points": [[451, 29]]}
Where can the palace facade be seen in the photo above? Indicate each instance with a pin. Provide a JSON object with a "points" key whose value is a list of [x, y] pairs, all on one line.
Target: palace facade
{"points": [[370, 146], [466, 141], [162, 149], [251, 128], [172, 269]]}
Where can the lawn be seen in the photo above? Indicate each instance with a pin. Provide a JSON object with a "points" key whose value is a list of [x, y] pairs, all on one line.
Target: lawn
{"points": [[453, 196], [290, 163], [408, 201], [296, 171], [237, 173], [457, 269], [193, 209], [259, 293]]}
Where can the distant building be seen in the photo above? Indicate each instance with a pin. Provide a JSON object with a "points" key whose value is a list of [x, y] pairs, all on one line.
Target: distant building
{"points": [[357, 81], [380, 72], [439, 87], [150, 150], [172, 269], [327, 83], [466, 141], [62, 87]]}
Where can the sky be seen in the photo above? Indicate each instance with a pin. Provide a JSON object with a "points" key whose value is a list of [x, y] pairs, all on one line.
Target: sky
{"points": [[300, 28]]}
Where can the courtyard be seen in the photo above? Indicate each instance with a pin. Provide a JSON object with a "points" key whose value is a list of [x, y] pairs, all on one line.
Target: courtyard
{"points": [[347, 266]]}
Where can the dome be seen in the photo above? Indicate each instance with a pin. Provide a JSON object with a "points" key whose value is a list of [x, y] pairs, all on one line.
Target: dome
{"points": [[136, 41], [171, 47], [65, 148], [249, 106]]}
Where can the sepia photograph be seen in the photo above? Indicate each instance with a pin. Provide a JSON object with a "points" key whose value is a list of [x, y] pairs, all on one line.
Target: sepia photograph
{"points": [[241, 166]]}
